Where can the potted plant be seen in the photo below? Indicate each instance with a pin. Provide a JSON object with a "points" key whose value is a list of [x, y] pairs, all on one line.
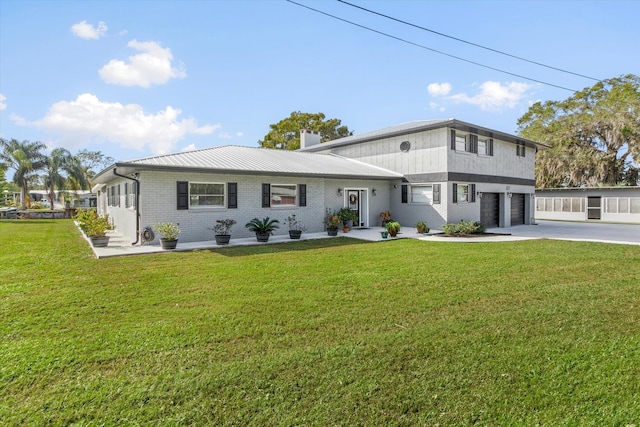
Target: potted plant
{"points": [[385, 216], [422, 227], [393, 227], [96, 228], [384, 234], [332, 221], [263, 228], [347, 215], [223, 230], [170, 232], [295, 227]]}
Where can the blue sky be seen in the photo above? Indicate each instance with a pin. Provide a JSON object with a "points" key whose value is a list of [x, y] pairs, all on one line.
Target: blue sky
{"points": [[139, 78]]}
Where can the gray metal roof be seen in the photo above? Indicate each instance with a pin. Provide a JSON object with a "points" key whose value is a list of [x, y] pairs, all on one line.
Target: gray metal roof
{"points": [[250, 160], [419, 126]]}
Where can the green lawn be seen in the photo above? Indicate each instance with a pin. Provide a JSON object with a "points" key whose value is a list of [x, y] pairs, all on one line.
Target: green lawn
{"points": [[329, 332]]}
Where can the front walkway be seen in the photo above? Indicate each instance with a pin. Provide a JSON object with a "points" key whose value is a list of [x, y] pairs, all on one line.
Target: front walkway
{"points": [[121, 246]]}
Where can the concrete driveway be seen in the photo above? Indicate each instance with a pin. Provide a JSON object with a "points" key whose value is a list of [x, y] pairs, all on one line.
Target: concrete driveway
{"points": [[581, 231]]}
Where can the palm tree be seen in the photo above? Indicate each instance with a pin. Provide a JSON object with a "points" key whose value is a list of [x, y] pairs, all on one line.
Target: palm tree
{"points": [[61, 160], [24, 158]]}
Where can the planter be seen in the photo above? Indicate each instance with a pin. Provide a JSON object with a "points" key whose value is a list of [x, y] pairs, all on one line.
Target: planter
{"points": [[222, 239], [393, 233], [332, 231], [345, 229], [263, 237], [168, 243], [99, 241], [384, 234], [295, 234]]}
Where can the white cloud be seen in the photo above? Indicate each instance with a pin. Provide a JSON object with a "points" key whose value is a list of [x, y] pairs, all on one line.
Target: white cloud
{"points": [[239, 134], [152, 66], [436, 106], [439, 89], [3, 105], [495, 96], [88, 31], [189, 147], [225, 135], [127, 125]]}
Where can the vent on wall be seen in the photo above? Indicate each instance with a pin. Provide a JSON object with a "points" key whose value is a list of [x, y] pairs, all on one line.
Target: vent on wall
{"points": [[405, 146]]}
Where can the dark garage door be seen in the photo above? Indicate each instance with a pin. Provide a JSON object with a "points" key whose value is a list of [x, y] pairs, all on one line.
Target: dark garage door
{"points": [[517, 209], [490, 209]]}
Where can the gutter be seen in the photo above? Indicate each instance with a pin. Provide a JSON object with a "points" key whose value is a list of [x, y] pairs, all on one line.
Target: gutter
{"points": [[137, 202]]}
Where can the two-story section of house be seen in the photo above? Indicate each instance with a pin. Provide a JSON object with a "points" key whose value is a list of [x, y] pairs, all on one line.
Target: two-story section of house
{"points": [[452, 171]]}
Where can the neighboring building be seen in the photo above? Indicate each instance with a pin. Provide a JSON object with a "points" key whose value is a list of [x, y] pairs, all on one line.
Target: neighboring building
{"points": [[77, 198], [615, 204], [435, 171]]}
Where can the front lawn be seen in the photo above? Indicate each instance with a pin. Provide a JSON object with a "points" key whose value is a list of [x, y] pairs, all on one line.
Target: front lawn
{"points": [[328, 332]]}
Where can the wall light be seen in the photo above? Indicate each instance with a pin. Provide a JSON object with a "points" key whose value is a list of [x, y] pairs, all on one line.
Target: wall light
{"points": [[339, 191], [479, 193], [373, 191], [509, 194]]}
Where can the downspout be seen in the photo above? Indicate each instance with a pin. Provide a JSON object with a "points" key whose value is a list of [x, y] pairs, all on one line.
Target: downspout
{"points": [[137, 203]]}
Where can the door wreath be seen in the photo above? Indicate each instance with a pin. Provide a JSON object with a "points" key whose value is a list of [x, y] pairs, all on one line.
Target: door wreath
{"points": [[353, 199]]}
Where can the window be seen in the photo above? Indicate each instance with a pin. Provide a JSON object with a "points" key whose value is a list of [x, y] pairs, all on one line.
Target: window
{"points": [[206, 194], [283, 195], [130, 194], [421, 193], [461, 143], [113, 195], [485, 147], [520, 149], [464, 193]]}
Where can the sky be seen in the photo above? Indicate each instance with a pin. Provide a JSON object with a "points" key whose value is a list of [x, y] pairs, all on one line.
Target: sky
{"points": [[140, 78]]}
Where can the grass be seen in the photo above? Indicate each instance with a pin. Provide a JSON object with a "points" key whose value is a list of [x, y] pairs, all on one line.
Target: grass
{"points": [[327, 332]]}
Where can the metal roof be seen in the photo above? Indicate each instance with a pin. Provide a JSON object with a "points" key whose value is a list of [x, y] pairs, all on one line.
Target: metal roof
{"points": [[250, 160], [419, 126]]}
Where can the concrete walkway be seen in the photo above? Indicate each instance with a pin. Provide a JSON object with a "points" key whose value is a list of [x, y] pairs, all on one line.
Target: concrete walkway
{"points": [[596, 232]]}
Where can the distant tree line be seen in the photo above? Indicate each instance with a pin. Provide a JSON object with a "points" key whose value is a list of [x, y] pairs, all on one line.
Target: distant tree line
{"points": [[60, 170]]}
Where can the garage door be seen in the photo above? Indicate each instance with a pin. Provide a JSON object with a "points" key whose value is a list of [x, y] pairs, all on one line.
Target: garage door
{"points": [[517, 209], [490, 209]]}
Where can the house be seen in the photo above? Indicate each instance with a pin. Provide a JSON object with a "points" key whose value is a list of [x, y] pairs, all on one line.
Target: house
{"points": [[615, 204], [437, 171]]}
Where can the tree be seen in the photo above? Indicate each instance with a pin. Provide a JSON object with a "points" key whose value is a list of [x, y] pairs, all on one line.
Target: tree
{"points": [[285, 134], [60, 160], [594, 135], [25, 158], [92, 160]]}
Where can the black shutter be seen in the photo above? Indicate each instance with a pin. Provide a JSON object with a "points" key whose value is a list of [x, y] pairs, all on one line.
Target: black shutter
{"points": [[232, 195], [183, 195], [523, 149], [118, 199], [436, 194], [472, 190], [405, 193], [266, 195], [474, 143], [455, 193], [302, 194], [490, 148], [453, 139]]}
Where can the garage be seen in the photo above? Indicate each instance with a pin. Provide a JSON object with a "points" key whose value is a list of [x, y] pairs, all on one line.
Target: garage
{"points": [[490, 210], [517, 209]]}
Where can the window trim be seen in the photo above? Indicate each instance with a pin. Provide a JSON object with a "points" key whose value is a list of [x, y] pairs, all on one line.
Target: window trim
{"points": [[288, 205], [421, 185], [223, 205]]}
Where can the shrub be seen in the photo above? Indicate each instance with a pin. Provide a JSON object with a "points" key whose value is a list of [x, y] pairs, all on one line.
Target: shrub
{"points": [[169, 230], [463, 228]]}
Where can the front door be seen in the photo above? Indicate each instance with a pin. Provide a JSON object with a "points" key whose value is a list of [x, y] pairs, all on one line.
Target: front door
{"points": [[356, 200]]}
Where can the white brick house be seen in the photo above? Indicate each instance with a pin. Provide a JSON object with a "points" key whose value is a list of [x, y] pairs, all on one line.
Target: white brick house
{"points": [[435, 171]]}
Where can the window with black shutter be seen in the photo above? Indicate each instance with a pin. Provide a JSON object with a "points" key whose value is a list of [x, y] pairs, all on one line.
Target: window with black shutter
{"points": [[302, 194], [266, 195], [182, 195], [232, 195]]}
